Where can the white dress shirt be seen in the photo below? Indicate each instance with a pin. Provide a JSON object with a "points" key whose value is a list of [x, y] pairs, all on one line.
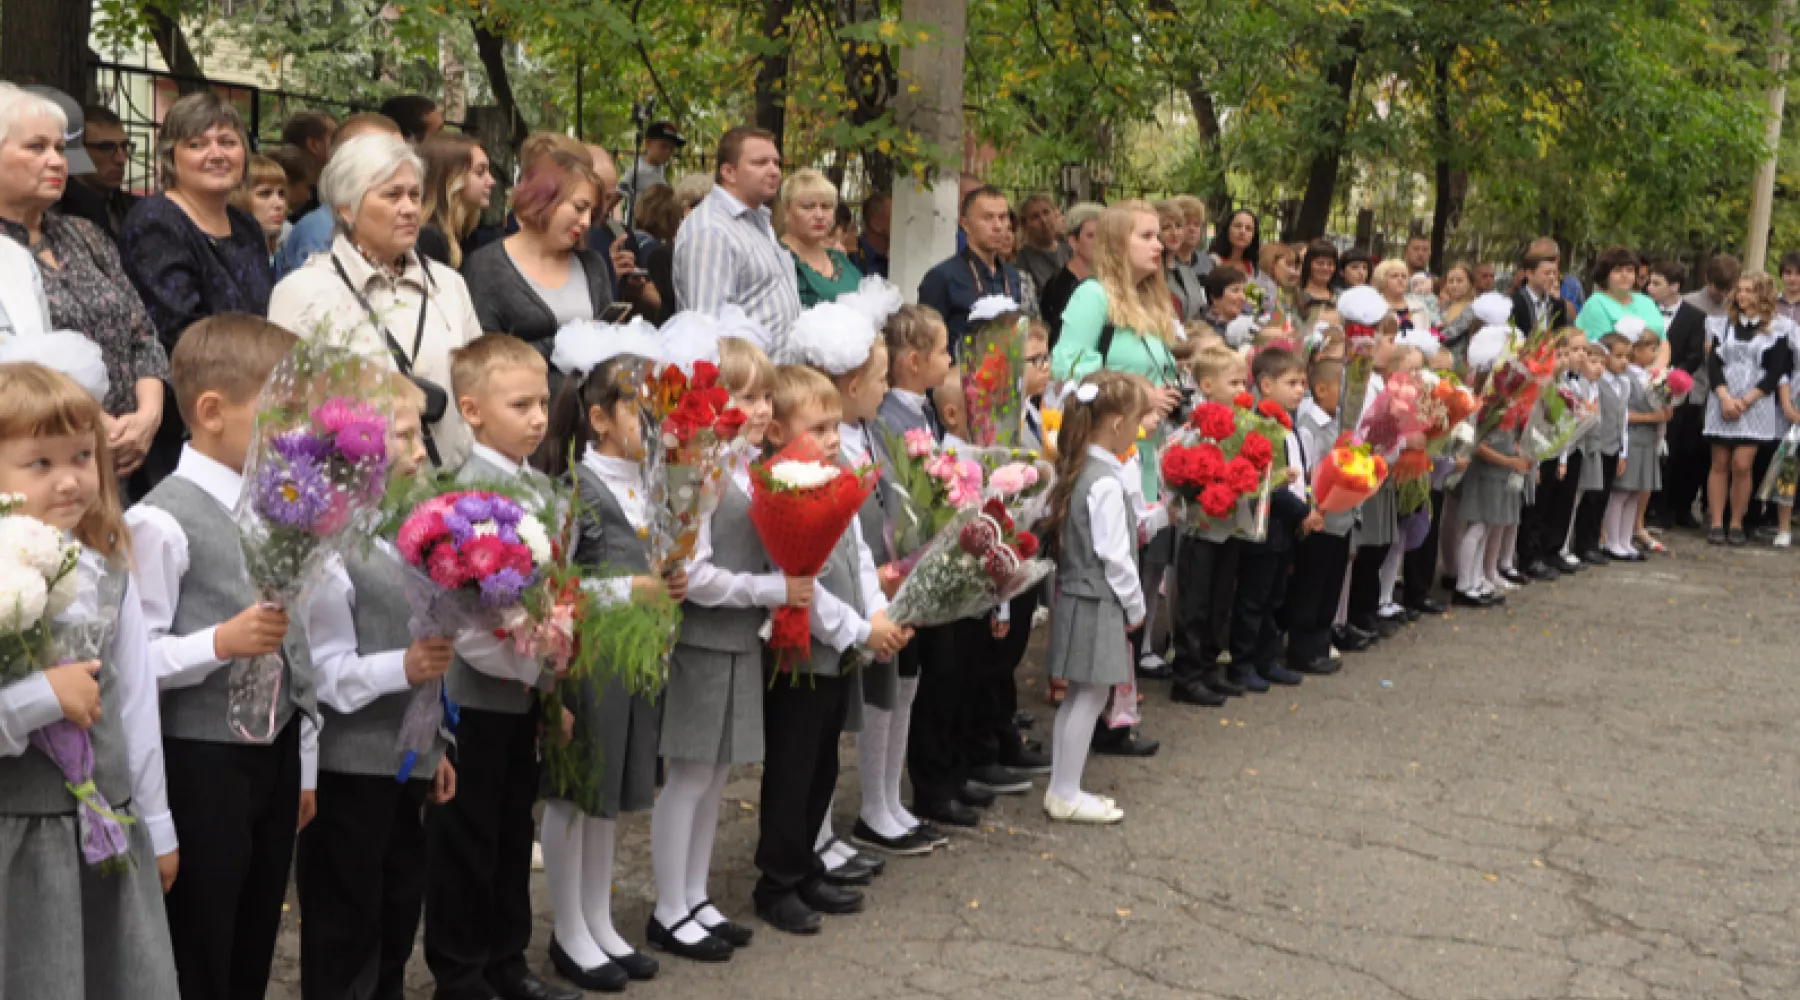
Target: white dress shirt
{"points": [[1318, 432], [30, 704], [1151, 517], [624, 479], [1107, 515], [713, 587], [160, 551]]}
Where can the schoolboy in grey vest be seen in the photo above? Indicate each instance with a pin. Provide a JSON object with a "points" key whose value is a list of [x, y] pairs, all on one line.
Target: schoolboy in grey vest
{"points": [[1320, 560], [478, 916], [1610, 442], [235, 804], [360, 864]]}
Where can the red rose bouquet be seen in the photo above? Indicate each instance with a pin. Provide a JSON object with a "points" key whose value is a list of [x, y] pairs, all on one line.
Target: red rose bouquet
{"points": [[695, 434], [1221, 466], [801, 502]]}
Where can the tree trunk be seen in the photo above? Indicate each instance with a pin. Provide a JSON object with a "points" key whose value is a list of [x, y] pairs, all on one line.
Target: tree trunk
{"points": [[45, 42], [172, 44], [772, 68], [1451, 184], [1321, 175], [1206, 122], [870, 80], [491, 45]]}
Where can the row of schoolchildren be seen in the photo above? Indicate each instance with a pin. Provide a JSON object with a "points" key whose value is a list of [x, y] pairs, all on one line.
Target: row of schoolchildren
{"points": [[216, 817]]}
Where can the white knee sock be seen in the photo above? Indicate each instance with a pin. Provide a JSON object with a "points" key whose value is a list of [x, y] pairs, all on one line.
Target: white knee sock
{"points": [[1509, 547], [896, 750], [1075, 719], [1491, 556], [871, 763], [564, 847], [1619, 524], [1390, 571], [672, 825], [840, 852], [1470, 558], [597, 884], [706, 829]]}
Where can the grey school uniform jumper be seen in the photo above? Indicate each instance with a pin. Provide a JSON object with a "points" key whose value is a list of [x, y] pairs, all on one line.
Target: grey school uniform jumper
{"points": [[1643, 467], [67, 930], [1489, 492], [1088, 642]]}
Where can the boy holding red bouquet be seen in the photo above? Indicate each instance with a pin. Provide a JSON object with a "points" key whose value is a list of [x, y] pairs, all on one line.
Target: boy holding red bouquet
{"points": [[1206, 570], [1263, 566]]}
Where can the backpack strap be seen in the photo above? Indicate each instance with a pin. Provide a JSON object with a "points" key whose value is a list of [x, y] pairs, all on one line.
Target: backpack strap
{"points": [[1105, 344]]}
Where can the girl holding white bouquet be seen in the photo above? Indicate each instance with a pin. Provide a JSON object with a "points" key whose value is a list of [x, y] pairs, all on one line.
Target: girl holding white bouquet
{"points": [[82, 913]]}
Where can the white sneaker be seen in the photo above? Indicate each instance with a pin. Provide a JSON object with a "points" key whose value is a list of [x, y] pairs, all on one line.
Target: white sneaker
{"points": [[1783, 540]]}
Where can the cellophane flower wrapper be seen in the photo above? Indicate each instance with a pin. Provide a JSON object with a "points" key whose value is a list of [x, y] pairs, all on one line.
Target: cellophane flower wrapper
{"points": [[1399, 414], [1782, 480], [1553, 425], [801, 503], [993, 369], [950, 581], [1346, 476], [475, 557], [59, 605], [313, 485], [692, 436], [1020, 479], [1220, 468], [1514, 384], [1122, 710], [1667, 386]]}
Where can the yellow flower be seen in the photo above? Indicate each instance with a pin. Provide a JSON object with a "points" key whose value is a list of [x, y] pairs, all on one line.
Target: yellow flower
{"points": [[1357, 464]]}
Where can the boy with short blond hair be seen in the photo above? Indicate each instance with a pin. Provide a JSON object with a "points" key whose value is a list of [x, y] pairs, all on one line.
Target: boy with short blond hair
{"points": [[478, 846], [235, 804]]}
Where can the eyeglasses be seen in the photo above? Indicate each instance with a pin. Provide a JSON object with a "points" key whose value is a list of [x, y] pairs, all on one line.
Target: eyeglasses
{"points": [[111, 148]]}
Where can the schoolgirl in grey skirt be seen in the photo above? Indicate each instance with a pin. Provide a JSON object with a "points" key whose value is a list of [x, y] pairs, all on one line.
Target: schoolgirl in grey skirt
{"points": [[1488, 501], [1099, 598]]}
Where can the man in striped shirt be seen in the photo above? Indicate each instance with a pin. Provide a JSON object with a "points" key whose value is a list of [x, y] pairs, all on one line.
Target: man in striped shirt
{"points": [[726, 251]]}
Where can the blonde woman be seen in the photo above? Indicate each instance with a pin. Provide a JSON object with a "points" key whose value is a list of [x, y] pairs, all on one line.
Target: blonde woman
{"points": [[1390, 279], [804, 217], [458, 187], [1748, 357]]}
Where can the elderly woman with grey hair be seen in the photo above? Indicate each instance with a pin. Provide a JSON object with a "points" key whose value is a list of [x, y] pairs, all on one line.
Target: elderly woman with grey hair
{"points": [[375, 286], [81, 284], [1082, 224]]}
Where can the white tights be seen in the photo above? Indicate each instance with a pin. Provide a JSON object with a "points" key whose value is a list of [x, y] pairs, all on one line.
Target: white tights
{"points": [[1621, 523], [578, 865], [1502, 542], [1390, 570], [682, 829], [881, 762], [1071, 737], [1471, 560]]}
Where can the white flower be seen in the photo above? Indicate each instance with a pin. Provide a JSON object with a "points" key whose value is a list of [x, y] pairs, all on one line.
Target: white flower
{"points": [[22, 596], [803, 475], [63, 593], [532, 533], [32, 543]]}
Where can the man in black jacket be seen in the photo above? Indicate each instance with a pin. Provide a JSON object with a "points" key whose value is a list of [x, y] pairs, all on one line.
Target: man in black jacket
{"points": [[1536, 303], [1685, 330]]}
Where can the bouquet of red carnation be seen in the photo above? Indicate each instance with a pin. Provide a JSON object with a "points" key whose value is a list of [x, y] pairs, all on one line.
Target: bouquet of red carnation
{"points": [[1346, 476], [1221, 467], [979, 561], [801, 502]]}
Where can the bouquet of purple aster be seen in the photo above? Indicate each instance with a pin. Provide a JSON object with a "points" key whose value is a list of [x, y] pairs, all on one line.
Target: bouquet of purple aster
{"points": [[313, 481]]}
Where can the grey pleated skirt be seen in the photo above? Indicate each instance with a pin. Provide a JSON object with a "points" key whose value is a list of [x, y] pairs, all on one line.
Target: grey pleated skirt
{"points": [[1088, 643], [1643, 469], [1488, 497], [1376, 518], [712, 707], [615, 743], [69, 932]]}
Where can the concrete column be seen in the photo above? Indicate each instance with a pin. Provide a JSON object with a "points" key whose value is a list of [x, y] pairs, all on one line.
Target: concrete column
{"points": [[924, 227]]}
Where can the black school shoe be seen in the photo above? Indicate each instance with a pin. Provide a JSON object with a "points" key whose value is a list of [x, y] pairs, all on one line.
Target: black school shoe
{"points": [[1595, 557], [789, 915], [910, 844], [1324, 666], [999, 780], [607, 977], [1195, 694], [854, 872], [949, 812], [1542, 570], [824, 897], [1428, 606], [1025, 760], [1349, 639], [1275, 673], [639, 966], [1122, 743], [974, 795], [1463, 600], [711, 948], [1515, 577], [731, 932]]}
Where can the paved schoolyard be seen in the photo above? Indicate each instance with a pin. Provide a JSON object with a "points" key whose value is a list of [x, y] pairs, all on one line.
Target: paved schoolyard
{"points": [[1590, 794]]}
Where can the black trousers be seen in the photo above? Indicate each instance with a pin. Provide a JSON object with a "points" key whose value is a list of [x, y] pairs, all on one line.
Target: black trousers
{"points": [[1590, 512], [1365, 586], [235, 807], [1205, 578], [360, 875], [803, 714], [1537, 527], [1419, 568], [478, 857], [1312, 595], [991, 736], [940, 717], [1689, 463], [1559, 502], [1256, 612]]}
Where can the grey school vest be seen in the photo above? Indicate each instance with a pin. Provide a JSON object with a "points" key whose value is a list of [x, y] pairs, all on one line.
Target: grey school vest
{"points": [[1612, 419], [736, 548], [874, 514], [468, 687], [362, 742], [607, 539], [843, 581], [31, 785], [1079, 569], [213, 590]]}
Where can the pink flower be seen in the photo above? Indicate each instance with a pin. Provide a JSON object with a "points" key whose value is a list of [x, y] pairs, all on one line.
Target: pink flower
{"points": [[919, 443], [419, 531], [338, 412], [1013, 479], [941, 467], [448, 570]]}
